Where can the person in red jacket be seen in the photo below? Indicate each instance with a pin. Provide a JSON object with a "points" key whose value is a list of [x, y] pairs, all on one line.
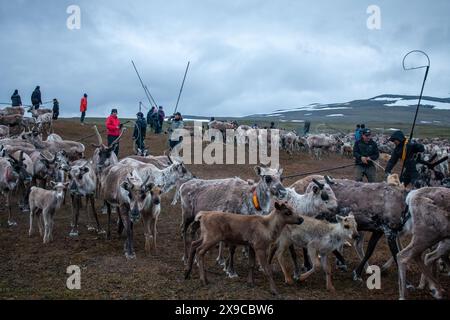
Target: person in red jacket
{"points": [[113, 127], [83, 108]]}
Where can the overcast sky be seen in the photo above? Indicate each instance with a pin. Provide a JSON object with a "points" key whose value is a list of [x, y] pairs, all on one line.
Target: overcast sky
{"points": [[246, 56]]}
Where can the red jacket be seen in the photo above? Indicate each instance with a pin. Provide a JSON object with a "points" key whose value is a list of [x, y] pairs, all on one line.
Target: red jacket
{"points": [[112, 126], [83, 104]]}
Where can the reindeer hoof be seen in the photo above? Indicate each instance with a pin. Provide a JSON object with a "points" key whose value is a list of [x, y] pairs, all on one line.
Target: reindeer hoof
{"points": [[411, 287], [356, 277], [74, 233], [131, 256], [232, 274], [437, 294], [90, 228], [220, 262], [12, 223], [342, 267], [101, 231]]}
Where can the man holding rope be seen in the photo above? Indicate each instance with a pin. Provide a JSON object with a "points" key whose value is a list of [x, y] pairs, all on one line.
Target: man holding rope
{"points": [[365, 153], [407, 151]]}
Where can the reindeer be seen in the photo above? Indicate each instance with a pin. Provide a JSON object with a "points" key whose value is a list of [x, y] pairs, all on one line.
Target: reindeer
{"points": [[46, 202], [228, 195], [9, 178], [74, 150], [122, 187], [320, 238], [378, 208], [39, 112], [429, 225], [163, 162], [166, 178], [24, 184], [4, 131], [150, 214], [83, 183], [258, 232], [14, 145], [47, 168], [44, 123], [104, 156]]}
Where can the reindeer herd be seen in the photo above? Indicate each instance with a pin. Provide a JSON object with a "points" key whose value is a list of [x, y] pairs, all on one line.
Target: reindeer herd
{"points": [[318, 214], [13, 119]]}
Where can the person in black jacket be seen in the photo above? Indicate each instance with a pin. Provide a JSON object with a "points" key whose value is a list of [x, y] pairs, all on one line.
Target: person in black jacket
{"points": [[16, 101], [55, 109], [365, 151], [140, 130], [407, 151], [36, 100], [150, 117]]}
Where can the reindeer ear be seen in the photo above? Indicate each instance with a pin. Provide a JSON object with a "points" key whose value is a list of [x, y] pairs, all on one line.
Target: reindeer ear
{"points": [[149, 186], [339, 218], [258, 170]]}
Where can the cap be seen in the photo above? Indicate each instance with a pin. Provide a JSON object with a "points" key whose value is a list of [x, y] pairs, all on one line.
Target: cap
{"points": [[397, 135], [367, 132]]}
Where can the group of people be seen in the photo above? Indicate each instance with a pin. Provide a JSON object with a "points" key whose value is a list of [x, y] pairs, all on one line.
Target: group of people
{"points": [[36, 101], [365, 152], [114, 126], [155, 118]]}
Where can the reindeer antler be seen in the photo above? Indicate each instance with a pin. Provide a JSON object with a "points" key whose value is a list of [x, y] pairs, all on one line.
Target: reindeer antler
{"points": [[99, 137], [329, 181], [320, 185], [48, 159], [118, 138]]}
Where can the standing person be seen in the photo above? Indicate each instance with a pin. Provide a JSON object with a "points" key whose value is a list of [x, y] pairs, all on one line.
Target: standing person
{"points": [[306, 128], [161, 116], [272, 125], [139, 132], [365, 151], [83, 108], [150, 120], [16, 101], [36, 100], [175, 122], [407, 151], [358, 133], [55, 109], [113, 127], [155, 119]]}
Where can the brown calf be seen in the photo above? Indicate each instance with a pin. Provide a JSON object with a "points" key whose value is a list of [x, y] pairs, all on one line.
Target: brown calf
{"points": [[258, 232]]}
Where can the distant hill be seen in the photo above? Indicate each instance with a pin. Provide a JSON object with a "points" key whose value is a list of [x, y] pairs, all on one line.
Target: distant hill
{"points": [[388, 108]]}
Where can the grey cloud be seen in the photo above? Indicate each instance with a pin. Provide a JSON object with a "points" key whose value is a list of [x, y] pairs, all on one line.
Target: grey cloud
{"points": [[246, 56]]}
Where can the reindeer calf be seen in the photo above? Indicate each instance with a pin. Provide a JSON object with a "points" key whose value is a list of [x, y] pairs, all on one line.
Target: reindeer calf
{"points": [[258, 232], [45, 202], [320, 238]]}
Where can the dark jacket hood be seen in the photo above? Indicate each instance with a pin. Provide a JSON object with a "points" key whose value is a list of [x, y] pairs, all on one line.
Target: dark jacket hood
{"points": [[398, 135]]}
